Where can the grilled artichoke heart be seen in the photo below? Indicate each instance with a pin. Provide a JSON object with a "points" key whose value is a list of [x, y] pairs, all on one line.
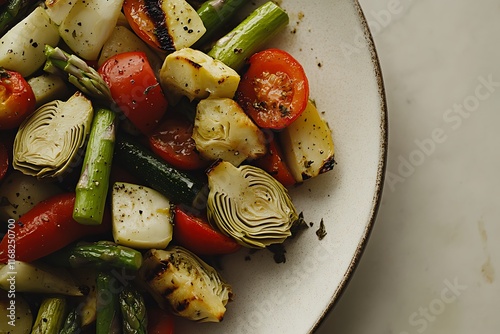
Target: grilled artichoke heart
{"points": [[249, 205], [222, 130], [48, 141], [179, 280]]}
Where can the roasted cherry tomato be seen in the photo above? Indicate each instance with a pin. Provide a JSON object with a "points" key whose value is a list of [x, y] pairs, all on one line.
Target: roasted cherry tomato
{"points": [[274, 90], [173, 143], [135, 89], [17, 99], [160, 321], [273, 163], [196, 234], [141, 22]]}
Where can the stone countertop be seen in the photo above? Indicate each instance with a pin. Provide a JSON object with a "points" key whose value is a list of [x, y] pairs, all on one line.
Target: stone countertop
{"points": [[433, 259]]}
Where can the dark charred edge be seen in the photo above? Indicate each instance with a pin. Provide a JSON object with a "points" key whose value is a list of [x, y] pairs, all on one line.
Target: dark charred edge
{"points": [[155, 12]]}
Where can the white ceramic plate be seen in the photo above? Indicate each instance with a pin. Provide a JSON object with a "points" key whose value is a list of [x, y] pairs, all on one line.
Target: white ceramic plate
{"points": [[331, 40]]}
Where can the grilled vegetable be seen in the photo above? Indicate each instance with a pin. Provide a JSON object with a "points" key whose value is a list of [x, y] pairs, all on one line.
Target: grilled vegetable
{"points": [[17, 99], [16, 318], [96, 254], [48, 87], [59, 9], [72, 323], [308, 145], [48, 142], [192, 73], [51, 316], [249, 205], [92, 188], [133, 311], [88, 25], [39, 278], [21, 48], [81, 75], [12, 12], [222, 130], [108, 306], [250, 35], [177, 186], [166, 25], [179, 280], [47, 227], [216, 15], [142, 217], [19, 193]]}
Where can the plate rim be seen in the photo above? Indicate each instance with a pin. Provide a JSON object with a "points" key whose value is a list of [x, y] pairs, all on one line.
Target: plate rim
{"points": [[381, 172]]}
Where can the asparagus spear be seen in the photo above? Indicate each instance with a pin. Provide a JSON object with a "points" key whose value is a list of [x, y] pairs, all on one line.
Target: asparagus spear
{"points": [[92, 186], [84, 77], [72, 324], [51, 315], [133, 311], [108, 307], [216, 14], [253, 32], [99, 254], [13, 12]]}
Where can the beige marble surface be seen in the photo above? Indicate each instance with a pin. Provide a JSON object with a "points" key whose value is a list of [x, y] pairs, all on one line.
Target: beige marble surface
{"points": [[432, 264]]}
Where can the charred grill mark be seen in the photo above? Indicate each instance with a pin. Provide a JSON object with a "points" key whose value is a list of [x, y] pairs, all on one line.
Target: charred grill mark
{"points": [[156, 271], [328, 165], [155, 12]]}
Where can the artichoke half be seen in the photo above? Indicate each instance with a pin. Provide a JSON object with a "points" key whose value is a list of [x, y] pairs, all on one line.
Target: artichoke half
{"points": [[48, 141], [249, 205], [179, 280]]}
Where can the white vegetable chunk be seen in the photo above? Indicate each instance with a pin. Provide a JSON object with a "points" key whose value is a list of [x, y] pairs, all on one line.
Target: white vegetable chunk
{"points": [[48, 87], [222, 130], [22, 47], [184, 24], [59, 9], [88, 25], [308, 145], [142, 217], [38, 278], [123, 40], [196, 75]]}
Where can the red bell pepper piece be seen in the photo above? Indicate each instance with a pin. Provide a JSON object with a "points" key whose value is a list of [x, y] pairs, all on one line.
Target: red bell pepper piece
{"points": [[47, 227]]}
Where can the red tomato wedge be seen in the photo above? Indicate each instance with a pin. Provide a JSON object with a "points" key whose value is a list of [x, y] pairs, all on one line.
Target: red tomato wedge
{"points": [[160, 321], [172, 141], [196, 234], [273, 163], [17, 99], [135, 89], [142, 24], [274, 90]]}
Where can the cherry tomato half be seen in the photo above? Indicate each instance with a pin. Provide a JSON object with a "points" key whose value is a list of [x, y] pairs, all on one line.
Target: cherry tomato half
{"points": [[17, 99], [135, 89], [172, 141], [196, 234], [273, 163], [142, 23], [160, 321], [274, 90]]}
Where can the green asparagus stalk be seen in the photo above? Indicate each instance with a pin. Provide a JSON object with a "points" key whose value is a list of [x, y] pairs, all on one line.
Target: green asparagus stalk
{"points": [[51, 315], [108, 306], [72, 324], [92, 187], [99, 254], [216, 14], [133, 311], [84, 77], [250, 35], [13, 12]]}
